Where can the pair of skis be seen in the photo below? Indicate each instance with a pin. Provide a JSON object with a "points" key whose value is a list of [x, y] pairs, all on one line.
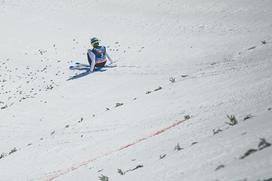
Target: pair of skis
{"points": [[82, 70], [81, 66]]}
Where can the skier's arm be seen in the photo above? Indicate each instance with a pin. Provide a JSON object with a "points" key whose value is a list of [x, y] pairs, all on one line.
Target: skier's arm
{"points": [[109, 58]]}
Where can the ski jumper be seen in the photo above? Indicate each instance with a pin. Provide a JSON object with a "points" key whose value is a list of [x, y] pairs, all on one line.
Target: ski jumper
{"points": [[97, 57]]}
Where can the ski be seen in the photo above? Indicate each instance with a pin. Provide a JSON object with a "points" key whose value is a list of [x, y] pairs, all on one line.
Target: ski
{"points": [[84, 69]]}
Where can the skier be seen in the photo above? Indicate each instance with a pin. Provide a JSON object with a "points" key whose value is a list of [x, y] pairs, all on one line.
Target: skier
{"points": [[98, 56]]}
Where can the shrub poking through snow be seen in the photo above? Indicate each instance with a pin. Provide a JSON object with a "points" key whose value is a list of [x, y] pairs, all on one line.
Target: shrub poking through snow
{"points": [[248, 117], [248, 152], [162, 156], [172, 79], [120, 171], [3, 155], [100, 170], [119, 104], [263, 144], [159, 88], [186, 117], [251, 48], [13, 150], [137, 167], [4, 107], [232, 120], [81, 120], [219, 167], [177, 148], [194, 143], [129, 170], [49, 87], [216, 131], [104, 178]]}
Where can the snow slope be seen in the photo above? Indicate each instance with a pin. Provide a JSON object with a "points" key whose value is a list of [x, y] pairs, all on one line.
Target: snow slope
{"points": [[128, 123]]}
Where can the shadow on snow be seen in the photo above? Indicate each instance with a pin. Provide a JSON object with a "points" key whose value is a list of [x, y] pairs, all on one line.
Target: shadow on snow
{"points": [[86, 71]]}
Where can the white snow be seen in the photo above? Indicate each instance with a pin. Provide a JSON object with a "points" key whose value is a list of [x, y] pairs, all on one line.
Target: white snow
{"points": [[218, 52]]}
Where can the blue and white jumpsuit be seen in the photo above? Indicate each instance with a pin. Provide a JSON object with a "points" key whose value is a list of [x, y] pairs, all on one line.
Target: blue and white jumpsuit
{"points": [[96, 61]]}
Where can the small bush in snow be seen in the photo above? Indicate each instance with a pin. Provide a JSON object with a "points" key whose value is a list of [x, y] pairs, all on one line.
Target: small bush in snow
{"points": [[119, 104], [219, 167], [135, 168], [216, 131], [248, 117], [159, 88], [49, 87], [162, 156], [120, 171], [232, 120], [263, 144], [195, 142], [81, 120], [264, 42], [248, 152], [177, 148], [4, 107], [104, 178], [3, 155], [13, 150], [251, 48], [186, 117], [172, 79]]}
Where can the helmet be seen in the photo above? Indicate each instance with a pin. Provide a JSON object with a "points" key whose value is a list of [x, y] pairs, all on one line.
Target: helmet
{"points": [[94, 41]]}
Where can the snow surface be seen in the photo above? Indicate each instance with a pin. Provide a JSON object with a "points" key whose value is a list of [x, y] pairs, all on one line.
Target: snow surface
{"points": [[132, 118]]}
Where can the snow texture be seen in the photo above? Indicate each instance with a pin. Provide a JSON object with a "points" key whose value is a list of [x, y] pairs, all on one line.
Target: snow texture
{"points": [[190, 98]]}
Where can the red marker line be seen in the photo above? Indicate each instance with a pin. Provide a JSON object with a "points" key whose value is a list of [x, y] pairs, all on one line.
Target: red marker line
{"points": [[83, 163]]}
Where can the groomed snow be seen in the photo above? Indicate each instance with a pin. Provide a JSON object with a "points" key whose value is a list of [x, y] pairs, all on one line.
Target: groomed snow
{"points": [[160, 115]]}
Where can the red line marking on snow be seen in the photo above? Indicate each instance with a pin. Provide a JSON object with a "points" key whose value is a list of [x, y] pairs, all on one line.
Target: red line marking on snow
{"points": [[83, 163]]}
